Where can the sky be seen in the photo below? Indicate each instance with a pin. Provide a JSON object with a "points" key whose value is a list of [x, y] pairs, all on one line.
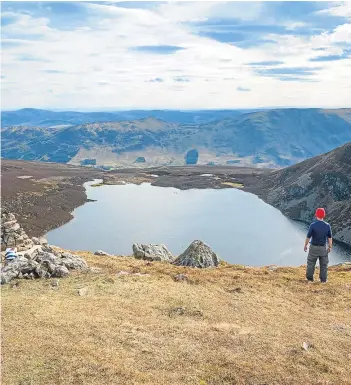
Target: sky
{"points": [[175, 55]]}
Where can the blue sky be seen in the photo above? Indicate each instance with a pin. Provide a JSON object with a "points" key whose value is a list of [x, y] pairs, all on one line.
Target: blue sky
{"points": [[115, 55]]}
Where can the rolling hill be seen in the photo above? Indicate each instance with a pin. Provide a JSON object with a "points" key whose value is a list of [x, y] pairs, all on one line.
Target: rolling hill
{"points": [[268, 138]]}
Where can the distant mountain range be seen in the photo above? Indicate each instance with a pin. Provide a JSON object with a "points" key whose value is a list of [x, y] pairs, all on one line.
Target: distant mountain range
{"points": [[323, 181], [32, 117], [266, 138]]}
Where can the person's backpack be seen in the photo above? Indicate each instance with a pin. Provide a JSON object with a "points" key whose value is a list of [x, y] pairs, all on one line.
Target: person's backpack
{"points": [[10, 254]]}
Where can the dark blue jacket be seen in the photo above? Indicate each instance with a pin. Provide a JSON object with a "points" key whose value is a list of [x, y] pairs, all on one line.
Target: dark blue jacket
{"points": [[319, 231]]}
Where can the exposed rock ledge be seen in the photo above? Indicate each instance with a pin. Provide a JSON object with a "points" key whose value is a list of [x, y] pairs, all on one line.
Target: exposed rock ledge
{"points": [[42, 263], [35, 258]]}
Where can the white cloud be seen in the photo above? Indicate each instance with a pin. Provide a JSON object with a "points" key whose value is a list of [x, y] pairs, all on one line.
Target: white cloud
{"points": [[95, 66], [339, 8]]}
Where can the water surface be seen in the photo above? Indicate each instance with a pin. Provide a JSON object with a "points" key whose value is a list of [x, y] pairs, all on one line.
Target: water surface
{"points": [[239, 226]]}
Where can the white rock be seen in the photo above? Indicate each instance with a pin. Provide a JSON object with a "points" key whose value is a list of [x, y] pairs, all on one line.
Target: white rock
{"points": [[36, 241], [43, 241], [83, 291], [152, 252], [102, 253], [122, 273], [12, 228], [305, 346], [73, 262]]}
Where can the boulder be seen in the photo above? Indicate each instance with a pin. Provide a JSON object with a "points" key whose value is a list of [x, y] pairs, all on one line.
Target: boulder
{"points": [[29, 276], [102, 253], [181, 278], [36, 241], [83, 291], [43, 241], [60, 272], [10, 227], [73, 262], [13, 269], [49, 266], [42, 272], [152, 252], [18, 237], [39, 241], [31, 253], [47, 257], [29, 267], [55, 283], [198, 254], [9, 224], [9, 216], [50, 249]]}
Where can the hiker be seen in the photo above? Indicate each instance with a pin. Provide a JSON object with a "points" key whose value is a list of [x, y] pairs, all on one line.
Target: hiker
{"points": [[318, 233], [10, 254]]}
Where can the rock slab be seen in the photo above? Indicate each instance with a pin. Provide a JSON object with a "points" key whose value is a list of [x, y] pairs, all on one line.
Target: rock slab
{"points": [[152, 252], [198, 254]]}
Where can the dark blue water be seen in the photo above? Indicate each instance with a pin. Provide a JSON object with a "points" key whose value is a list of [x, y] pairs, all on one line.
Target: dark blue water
{"points": [[240, 227]]}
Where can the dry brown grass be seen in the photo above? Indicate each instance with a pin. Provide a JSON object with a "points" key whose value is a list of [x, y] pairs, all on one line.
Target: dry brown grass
{"points": [[237, 325]]}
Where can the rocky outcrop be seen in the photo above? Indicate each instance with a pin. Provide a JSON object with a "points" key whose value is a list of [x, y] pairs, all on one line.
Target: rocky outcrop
{"points": [[152, 252], [41, 262], [198, 254], [35, 258], [12, 234], [323, 181]]}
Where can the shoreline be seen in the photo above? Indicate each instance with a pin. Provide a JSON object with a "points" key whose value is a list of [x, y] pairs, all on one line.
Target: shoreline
{"points": [[47, 199], [44, 195], [341, 254]]}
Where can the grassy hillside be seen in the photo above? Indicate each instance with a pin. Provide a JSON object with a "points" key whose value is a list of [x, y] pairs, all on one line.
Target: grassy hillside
{"points": [[283, 135], [224, 326]]}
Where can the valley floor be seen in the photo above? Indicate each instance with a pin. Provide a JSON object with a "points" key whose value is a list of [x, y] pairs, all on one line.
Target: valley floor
{"points": [[223, 326]]}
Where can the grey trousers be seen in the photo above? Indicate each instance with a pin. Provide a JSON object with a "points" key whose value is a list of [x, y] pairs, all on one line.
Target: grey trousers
{"points": [[321, 253]]}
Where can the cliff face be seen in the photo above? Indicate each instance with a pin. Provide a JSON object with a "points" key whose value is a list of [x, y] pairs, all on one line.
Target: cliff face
{"points": [[323, 181]]}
